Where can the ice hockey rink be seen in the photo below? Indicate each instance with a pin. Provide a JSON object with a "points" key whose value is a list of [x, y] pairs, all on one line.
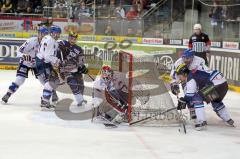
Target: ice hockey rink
{"points": [[28, 133]]}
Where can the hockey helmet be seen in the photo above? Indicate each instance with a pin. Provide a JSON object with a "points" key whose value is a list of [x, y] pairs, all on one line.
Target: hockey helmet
{"points": [[106, 73], [73, 34], [43, 30], [197, 27], [55, 29], [187, 53], [182, 69]]}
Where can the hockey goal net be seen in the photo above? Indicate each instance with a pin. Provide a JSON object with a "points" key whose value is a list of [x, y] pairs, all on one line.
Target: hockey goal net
{"points": [[149, 102]]}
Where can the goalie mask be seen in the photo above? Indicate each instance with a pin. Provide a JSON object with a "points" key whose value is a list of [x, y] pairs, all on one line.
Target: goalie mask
{"points": [[106, 73]]}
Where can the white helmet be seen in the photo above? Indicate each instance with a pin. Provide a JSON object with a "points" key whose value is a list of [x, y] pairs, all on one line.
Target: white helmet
{"points": [[197, 26]]}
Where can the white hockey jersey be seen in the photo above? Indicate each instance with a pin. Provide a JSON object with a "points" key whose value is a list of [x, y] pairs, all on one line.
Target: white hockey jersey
{"points": [[191, 88], [29, 47], [197, 63], [48, 50], [118, 82]]}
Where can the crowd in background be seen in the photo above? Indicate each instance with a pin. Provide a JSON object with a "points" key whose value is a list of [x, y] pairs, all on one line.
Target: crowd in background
{"points": [[129, 10], [21, 6]]}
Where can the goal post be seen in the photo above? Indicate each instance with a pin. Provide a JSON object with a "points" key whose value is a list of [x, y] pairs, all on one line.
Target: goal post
{"points": [[149, 102]]}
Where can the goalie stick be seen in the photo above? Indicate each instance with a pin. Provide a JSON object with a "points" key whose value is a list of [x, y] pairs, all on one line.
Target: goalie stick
{"points": [[153, 116], [183, 122]]}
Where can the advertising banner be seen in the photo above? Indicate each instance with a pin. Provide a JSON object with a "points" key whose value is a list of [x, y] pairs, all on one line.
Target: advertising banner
{"points": [[11, 25], [226, 62]]}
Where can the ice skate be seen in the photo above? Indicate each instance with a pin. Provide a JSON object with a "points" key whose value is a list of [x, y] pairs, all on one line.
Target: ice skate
{"points": [[6, 97], [230, 122], [82, 103], [46, 106], [201, 126]]}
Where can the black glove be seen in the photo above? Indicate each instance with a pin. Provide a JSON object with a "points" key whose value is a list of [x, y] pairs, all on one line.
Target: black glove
{"points": [[27, 58], [181, 104], [175, 88], [64, 50], [83, 69]]}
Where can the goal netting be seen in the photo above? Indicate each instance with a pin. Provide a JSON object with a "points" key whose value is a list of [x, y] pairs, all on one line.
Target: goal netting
{"points": [[149, 102]]}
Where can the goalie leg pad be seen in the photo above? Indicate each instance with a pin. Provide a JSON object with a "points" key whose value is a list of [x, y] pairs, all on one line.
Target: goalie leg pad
{"points": [[117, 99]]}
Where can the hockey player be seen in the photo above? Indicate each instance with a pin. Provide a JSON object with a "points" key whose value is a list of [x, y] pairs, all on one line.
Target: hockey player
{"points": [[110, 88], [199, 42], [204, 86], [46, 63], [27, 53], [193, 63], [72, 66]]}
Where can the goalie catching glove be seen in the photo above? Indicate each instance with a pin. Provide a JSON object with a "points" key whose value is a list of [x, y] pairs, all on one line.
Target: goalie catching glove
{"points": [[181, 104], [26, 57], [175, 88], [83, 69]]}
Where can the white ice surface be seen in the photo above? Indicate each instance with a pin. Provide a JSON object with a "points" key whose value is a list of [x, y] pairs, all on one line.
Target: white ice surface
{"points": [[28, 133]]}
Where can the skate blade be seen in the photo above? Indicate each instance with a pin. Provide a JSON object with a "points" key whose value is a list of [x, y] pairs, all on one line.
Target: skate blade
{"points": [[110, 126], [45, 109], [55, 103], [202, 128], [83, 104], [4, 103], [228, 125]]}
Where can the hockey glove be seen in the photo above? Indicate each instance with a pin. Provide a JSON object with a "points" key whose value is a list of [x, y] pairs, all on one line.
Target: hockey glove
{"points": [[83, 69], [26, 57], [181, 104], [175, 88]]}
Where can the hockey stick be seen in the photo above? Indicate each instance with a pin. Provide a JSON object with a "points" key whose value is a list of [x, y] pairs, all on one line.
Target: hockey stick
{"points": [[182, 120], [91, 77], [153, 116]]}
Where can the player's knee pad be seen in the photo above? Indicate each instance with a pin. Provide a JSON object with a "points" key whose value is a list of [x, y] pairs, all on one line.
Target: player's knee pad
{"points": [[13, 87], [217, 106], [20, 80]]}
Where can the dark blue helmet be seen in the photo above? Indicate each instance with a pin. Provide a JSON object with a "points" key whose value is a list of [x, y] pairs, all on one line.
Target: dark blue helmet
{"points": [[187, 53], [55, 29], [43, 30]]}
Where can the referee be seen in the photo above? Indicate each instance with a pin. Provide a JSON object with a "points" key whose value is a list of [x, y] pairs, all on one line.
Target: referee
{"points": [[199, 42]]}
